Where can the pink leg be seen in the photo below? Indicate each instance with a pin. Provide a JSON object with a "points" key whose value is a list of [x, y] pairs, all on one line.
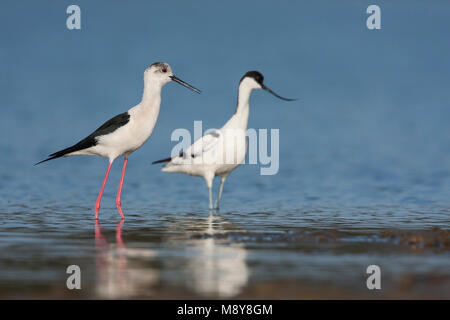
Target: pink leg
{"points": [[99, 198], [119, 192]]}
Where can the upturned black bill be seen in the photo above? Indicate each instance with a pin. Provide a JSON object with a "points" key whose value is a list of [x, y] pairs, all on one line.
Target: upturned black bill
{"points": [[276, 95]]}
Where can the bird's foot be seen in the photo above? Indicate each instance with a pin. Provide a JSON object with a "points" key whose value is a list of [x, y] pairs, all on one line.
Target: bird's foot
{"points": [[97, 210], [119, 207]]}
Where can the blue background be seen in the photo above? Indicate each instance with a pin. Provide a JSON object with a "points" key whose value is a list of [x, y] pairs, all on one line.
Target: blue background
{"points": [[371, 125]]}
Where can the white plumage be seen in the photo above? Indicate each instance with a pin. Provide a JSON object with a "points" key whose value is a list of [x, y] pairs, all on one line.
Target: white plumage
{"points": [[219, 152], [126, 132]]}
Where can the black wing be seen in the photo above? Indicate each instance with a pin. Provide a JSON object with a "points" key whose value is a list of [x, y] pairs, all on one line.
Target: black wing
{"points": [[181, 154], [207, 141], [111, 125], [108, 127]]}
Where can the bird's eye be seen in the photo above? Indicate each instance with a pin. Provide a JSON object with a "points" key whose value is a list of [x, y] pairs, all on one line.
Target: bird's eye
{"points": [[164, 70]]}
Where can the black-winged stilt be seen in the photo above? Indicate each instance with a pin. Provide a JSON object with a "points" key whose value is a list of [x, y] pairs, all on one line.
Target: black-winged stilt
{"points": [[210, 156], [126, 132]]}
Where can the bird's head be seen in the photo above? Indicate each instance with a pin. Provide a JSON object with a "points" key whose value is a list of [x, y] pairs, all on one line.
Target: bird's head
{"points": [[255, 80], [161, 73]]}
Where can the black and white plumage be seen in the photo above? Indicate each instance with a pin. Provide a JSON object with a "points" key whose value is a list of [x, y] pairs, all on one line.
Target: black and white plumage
{"points": [[219, 152], [128, 131], [91, 141]]}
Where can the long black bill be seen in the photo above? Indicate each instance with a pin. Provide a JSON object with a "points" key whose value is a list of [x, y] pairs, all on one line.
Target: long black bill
{"points": [[184, 84], [276, 95]]}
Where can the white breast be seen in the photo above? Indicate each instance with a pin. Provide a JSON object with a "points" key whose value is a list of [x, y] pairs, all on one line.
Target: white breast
{"points": [[131, 136]]}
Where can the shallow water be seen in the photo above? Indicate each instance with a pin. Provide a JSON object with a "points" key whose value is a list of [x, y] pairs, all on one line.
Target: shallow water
{"points": [[364, 172], [161, 253]]}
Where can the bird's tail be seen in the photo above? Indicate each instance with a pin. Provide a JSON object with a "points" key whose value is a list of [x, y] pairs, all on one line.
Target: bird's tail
{"points": [[162, 161], [86, 143], [60, 153]]}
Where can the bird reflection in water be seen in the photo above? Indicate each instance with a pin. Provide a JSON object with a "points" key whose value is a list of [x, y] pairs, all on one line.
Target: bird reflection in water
{"points": [[120, 271], [216, 267]]}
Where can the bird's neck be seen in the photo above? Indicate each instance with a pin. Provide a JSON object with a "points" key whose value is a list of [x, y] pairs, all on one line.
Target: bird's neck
{"points": [[243, 107], [151, 96], [147, 110]]}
